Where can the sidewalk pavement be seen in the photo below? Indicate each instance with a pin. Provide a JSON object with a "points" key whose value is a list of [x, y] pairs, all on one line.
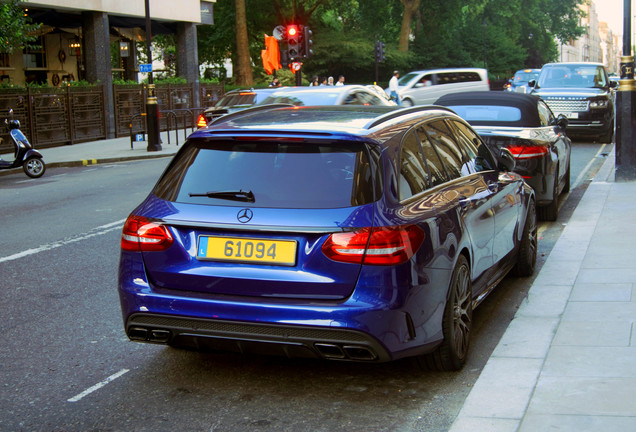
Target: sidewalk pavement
{"points": [[103, 151], [567, 361]]}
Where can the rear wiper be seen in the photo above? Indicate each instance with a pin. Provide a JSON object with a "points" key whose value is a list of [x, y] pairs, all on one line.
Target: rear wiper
{"points": [[228, 195]]}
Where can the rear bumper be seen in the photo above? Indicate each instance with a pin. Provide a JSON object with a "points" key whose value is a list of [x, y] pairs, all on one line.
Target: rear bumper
{"points": [[591, 124], [256, 338], [378, 322]]}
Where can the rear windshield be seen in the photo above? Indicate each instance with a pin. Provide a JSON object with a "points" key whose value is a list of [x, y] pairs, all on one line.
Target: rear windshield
{"points": [[272, 174], [304, 98], [477, 114], [246, 98]]}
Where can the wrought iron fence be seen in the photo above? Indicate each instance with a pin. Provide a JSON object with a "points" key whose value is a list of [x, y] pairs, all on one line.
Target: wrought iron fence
{"points": [[54, 116], [130, 101], [58, 116]]}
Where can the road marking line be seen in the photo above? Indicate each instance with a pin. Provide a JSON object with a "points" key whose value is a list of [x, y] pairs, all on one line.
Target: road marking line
{"points": [[97, 386], [579, 179], [100, 230]]}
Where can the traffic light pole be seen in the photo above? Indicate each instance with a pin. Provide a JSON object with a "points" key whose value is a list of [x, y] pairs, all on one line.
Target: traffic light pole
{"points": [[625, 113], [152, 108]]}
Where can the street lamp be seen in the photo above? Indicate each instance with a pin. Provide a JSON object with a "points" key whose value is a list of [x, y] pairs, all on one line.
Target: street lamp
{"points": [[152, 108], [625, 113]]}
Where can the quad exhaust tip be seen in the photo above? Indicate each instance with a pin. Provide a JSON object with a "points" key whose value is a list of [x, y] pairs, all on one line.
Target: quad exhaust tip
{"points": [[149, 335], [345, 352]]}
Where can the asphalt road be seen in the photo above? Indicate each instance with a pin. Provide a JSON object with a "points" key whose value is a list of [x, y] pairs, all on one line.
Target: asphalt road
{"points": [[66, 364]]}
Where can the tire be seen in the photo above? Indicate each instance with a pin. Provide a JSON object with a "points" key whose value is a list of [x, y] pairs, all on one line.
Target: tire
{"points": [[406, 103], [607, 137], [527, 255], [34, 167], [451, 355], [550, 212]]}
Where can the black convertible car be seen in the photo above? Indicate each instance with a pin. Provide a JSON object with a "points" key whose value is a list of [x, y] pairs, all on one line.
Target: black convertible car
{"points": [[528, 128]]}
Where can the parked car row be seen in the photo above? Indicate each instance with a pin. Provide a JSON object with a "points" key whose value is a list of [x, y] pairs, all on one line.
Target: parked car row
{"points": [[339, 226], [237, 100]]}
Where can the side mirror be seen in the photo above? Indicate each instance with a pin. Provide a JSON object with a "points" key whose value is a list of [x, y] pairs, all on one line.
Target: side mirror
{"points": [[532, 83], [613, 84], [506, 160], [562, 121]]}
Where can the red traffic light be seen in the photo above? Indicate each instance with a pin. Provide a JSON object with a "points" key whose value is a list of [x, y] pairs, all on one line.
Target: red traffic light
{"points": [[292, 30]]}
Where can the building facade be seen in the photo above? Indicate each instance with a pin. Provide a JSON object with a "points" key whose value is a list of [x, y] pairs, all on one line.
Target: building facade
{"points": [[598, 44], [95, 40]]}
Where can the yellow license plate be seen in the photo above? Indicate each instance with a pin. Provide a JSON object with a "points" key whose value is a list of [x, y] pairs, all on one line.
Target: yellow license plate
{"points": [[248, 250]]}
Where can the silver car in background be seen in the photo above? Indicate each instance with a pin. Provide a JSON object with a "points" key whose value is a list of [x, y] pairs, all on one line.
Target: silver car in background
{"points": [[424, 87]]}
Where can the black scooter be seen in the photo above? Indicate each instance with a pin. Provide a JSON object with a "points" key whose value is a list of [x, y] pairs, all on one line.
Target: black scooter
{"points": [[25, 155]]}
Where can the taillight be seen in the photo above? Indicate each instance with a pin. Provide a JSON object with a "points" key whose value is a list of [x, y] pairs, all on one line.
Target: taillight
{"points": [[527, 151], [142, 235], [201, 123], [375, 246]]}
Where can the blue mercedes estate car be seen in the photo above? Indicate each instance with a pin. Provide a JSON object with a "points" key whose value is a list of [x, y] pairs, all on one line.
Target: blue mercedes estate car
{"points": [[345, 233]]}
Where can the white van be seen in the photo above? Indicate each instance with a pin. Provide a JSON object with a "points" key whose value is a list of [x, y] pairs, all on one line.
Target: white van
{"points": [[424, 87]]}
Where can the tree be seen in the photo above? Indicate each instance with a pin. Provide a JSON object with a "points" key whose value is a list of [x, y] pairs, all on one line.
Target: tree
{"points": [[244, 63], [410, 9], [16, 30]]}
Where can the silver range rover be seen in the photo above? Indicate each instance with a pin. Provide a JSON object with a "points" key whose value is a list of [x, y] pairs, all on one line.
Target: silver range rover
{"points": [[582, 93]]}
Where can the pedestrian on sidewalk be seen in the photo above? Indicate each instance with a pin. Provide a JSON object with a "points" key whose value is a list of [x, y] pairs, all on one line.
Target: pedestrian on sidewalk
{"points": [[394, 87], [341, 80]]}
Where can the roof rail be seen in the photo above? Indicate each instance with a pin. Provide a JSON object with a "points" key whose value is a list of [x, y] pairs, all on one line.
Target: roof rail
{"points": [[248, 111], [404, 111]]}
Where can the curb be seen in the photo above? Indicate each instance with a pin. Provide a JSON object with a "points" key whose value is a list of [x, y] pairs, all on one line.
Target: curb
{"points": [[505, 387], [87, 162]]}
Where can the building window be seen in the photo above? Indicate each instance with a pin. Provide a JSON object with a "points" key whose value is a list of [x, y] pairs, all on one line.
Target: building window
{"points": [[35, 55], [4, 60]]}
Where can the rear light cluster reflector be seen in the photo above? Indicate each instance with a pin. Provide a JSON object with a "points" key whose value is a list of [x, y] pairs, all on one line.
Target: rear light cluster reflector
{"points": [[142, 235], [375, 246], [528, 151]]}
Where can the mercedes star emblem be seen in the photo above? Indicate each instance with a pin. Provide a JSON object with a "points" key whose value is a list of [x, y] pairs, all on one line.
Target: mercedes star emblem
{"points": [[244, 215]]}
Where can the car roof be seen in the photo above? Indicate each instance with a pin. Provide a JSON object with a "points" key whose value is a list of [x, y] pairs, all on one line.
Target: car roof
{"points": [[574, 63], [323, 89], [253, 90], [321, 121], [470, 69], [526, 103]]}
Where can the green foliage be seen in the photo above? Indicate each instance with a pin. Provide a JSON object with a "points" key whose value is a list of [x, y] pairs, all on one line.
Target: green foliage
{"points": [[503, 35], [171, 80], [16, 30], [81, 83], [119, 81]]}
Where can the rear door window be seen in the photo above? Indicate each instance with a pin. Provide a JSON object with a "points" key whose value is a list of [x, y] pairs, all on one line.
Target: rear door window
{"points": [[479, 156], [446, 147], [433, 163], [413, 170], [278, 174]]}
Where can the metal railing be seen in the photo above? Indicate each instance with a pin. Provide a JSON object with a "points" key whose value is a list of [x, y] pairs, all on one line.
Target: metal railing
{"points": [[185, 117]]}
